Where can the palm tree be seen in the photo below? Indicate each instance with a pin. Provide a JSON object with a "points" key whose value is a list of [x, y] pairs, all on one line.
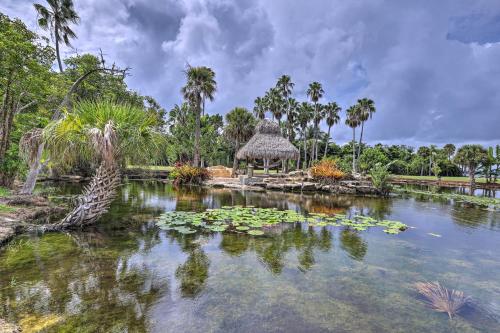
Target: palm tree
{"points": [[332, 117], [471, 156], [366, 108], [304, 116], [449, 150], [56, 19], [315, 92], [285, 88], [259, 109], [275, 103], [353, 121], [110, 135], [200, 85], [239, 128]]}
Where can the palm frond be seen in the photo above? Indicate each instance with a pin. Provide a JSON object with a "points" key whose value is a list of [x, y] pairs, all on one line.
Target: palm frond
{"points": [[441, 299]]}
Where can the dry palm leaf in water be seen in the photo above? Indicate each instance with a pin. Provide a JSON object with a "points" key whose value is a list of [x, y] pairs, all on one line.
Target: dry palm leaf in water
{"points": [[441, 299]]}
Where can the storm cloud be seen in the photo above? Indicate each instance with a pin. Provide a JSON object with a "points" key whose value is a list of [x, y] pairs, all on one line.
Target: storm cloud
{"points": [[432, 67]]}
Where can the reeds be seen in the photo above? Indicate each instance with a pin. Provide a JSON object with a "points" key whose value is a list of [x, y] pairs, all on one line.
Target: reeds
{"points": [[441, 299]]}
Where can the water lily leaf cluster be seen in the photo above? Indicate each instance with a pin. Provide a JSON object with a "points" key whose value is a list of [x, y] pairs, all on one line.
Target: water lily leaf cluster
{"points": [[254, 221]]}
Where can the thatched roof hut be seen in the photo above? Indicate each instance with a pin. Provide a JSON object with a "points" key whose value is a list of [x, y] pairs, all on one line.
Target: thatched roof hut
{"points": [[268, 143]]}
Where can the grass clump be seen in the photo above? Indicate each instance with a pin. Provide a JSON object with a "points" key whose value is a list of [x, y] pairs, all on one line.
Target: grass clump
{"points": [[186, 174], [4, 192], [327, 171]]}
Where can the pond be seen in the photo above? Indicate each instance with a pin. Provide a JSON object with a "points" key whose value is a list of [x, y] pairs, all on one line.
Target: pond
{"points": [[127, 275]]}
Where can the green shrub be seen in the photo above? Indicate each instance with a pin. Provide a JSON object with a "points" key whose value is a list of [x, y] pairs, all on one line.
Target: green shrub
{"points": [[381, 176], [186, 174]]}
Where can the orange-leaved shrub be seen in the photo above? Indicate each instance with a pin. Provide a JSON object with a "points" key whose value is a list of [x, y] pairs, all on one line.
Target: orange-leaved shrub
{"points": [[186, 174], [327, 171]]}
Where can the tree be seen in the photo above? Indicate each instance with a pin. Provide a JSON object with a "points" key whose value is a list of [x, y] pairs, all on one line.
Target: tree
{"points": [[471, 156], [449, 150], [259, 109], [366, 108], [332, 117], [274, 103], [25, 80], [304, 116], [57, 19], [315, 93], [108, 134], [199, 86], [353, 121], [285, 88], [240, 127]]}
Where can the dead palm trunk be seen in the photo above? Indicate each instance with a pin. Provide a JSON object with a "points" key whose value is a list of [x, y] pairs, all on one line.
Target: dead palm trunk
{"points": [[95, 199]]}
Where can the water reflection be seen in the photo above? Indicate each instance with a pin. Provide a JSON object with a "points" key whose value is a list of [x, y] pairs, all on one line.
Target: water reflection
{"points": [[125, 275]]}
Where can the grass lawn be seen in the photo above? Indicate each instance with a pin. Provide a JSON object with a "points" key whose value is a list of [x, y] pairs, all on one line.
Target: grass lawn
{"points": [[151, 167], [450, 179]]}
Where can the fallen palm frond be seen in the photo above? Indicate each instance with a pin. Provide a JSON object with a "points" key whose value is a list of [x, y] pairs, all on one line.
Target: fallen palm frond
{"points": [[441, 299]]}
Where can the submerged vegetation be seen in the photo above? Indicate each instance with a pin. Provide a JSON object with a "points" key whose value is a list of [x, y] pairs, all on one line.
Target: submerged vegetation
{"points": [[254, 221], [441, 299]]}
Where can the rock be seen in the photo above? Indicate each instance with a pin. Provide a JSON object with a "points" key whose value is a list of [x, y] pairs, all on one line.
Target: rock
{"points": [[8, 328], [274, 186], [292, 187], [299, 173], [308, 186]]}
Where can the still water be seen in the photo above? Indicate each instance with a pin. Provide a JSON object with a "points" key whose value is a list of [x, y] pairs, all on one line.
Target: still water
{"points": [[126, 275]]}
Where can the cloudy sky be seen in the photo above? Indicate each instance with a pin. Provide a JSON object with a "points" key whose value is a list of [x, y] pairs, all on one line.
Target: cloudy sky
{"points": [[432, 66]]}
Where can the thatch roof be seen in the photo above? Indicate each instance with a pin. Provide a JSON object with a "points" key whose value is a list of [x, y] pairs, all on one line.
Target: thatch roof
{"points": [[268, 142]]}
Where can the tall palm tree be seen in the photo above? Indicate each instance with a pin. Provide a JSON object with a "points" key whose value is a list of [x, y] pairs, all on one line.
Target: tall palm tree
{"points": [[108, 134], [315, 93], [304, 116], [56, 19], [275, 103], [332, 117], [285, 88], [353, 121], [259, 109], [471, 156], [200, 85], [366, 108], [239, 128]]}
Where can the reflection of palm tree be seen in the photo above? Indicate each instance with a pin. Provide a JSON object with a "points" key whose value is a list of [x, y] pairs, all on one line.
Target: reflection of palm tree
{"points": [[353, 244], [193, 273], [110, 291]]}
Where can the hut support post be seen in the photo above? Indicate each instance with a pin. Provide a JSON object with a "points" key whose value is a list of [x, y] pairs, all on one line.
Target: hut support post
{"points": [[266, 166]]}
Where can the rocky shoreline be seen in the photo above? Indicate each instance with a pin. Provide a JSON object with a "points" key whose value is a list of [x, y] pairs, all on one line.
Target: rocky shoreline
{"points": [[294, 182], [25, 210]]}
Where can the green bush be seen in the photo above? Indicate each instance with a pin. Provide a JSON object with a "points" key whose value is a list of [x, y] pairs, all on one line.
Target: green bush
{"points": [[381, 176]]}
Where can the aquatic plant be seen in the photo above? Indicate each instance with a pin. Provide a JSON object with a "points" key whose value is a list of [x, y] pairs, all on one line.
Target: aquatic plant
{"points": [[254, 221], [380, 177], [441, 299]]}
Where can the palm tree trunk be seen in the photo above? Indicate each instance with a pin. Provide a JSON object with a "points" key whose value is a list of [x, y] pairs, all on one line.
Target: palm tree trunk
{"points": [[298, 158], [361, 138], [304, 163], [327, 141], [29, 184], [197, 134], [472, 180], [235, 160], [96, 198], [59, 62], [354, 149]]}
